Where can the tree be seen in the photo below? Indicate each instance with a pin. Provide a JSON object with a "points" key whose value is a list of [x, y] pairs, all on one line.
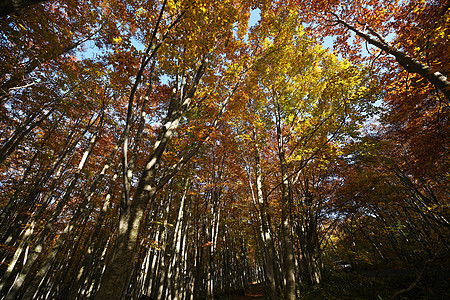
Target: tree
{"points": [[192, 67], [168, 149], [373, 21], [396, 34]]}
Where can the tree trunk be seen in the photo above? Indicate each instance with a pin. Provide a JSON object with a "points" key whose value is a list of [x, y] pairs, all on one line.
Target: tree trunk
{"points": [[266, 237], [288, 249], [38, 246], [120, 266], [39, 277], [409, 63]]}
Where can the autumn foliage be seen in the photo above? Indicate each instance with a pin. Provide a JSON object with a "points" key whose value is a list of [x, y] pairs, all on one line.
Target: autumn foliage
{"points": [[187, 149]]}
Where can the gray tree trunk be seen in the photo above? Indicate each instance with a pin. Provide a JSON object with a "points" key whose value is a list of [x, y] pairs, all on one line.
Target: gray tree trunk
{"points": [[288, 249], [269, 248]]}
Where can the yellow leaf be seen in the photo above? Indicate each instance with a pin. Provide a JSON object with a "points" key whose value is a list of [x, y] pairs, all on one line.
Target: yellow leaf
{"points": [[117, 40]]}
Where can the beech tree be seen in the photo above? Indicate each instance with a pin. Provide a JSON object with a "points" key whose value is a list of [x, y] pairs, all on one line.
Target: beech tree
{"points": [[191, 150]]}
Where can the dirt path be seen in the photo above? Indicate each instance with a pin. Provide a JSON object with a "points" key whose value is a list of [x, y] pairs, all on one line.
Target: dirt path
{"points": [[256, 291]]}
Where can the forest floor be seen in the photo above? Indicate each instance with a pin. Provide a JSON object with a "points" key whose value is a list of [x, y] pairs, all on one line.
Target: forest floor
{"points": [[368, 284], [256, 291]]}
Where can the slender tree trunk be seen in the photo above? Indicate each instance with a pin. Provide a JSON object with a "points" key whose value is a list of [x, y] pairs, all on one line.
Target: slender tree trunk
{"points": [[18, 136], [7, 211], [265, 226], [162, 266], [91, 265], [288, 249], [25, 207], [307, 232], [35, 250], [119, 267], [45, 233], [39, 276], [177, 251]]}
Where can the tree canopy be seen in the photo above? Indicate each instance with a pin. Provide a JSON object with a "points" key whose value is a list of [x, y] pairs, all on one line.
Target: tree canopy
{"points": [[190, 149]]}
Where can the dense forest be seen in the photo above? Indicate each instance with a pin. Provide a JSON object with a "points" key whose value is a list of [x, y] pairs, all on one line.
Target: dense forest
{"points": [[175, 149]]}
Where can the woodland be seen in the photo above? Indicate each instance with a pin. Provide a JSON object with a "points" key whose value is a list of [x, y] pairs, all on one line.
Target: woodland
{"points": [[175, 149]]}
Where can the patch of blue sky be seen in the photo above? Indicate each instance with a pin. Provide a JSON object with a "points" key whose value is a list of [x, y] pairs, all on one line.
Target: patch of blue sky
{"points": [[88, 50], [255, 16]]}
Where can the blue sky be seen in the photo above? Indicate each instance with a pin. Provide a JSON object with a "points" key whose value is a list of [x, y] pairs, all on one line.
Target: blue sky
{"points": [[254, 17]]}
